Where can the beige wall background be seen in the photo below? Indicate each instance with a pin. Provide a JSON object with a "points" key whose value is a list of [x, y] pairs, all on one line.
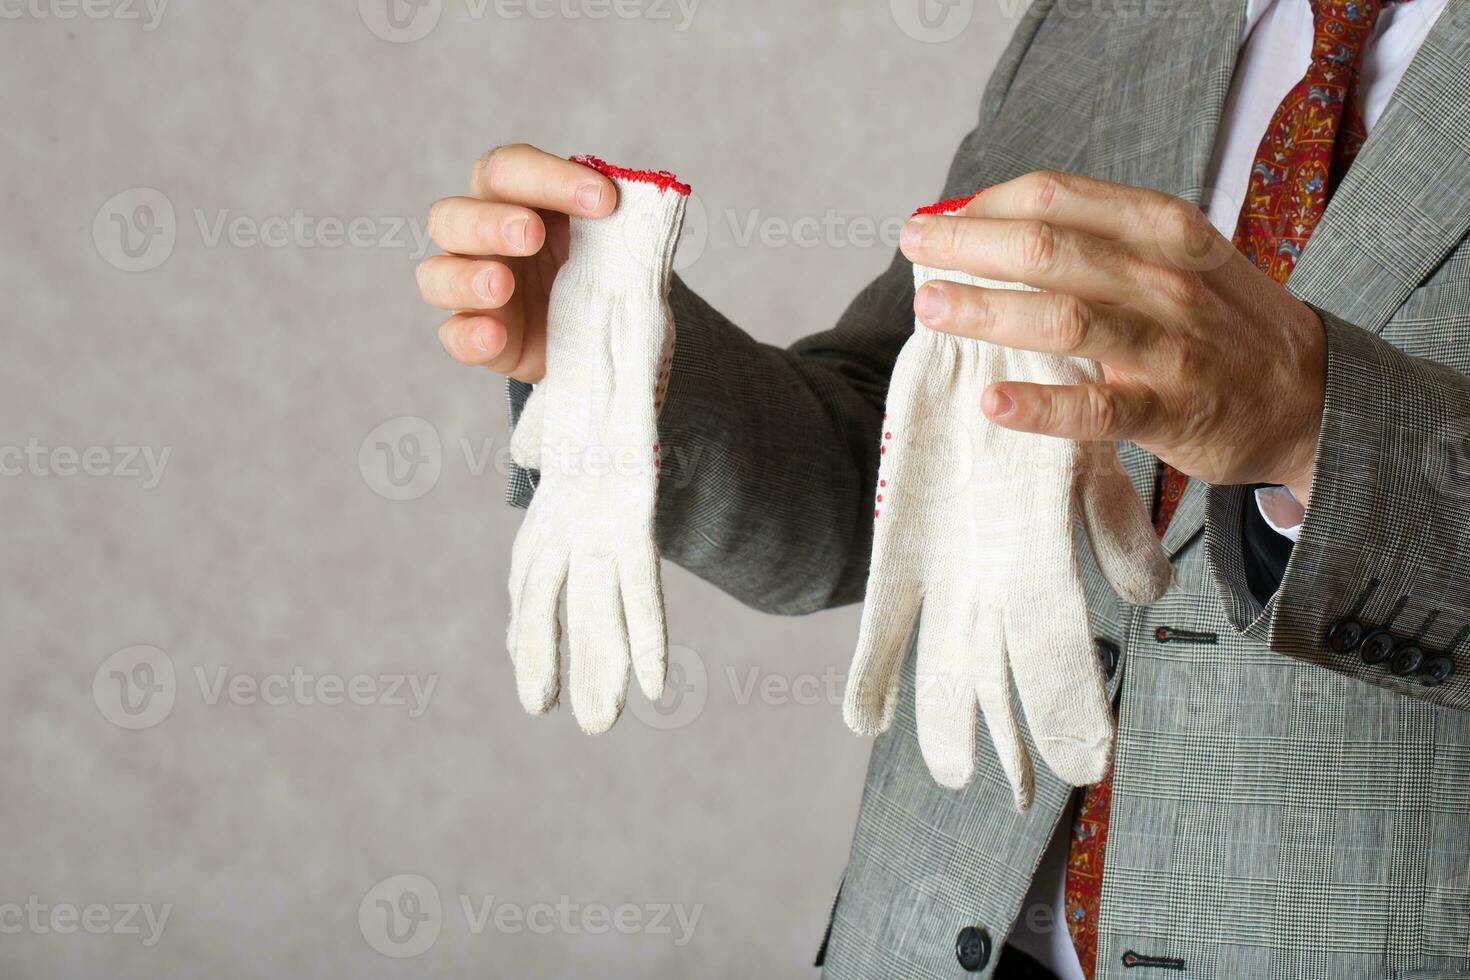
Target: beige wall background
{"points": [[248, 504]]}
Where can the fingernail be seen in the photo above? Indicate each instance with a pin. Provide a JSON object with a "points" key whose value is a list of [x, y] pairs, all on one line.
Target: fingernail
{"points": [[589, 196], [485, 285], [515, 233], [913, 232], [932, 303], [998, 404], [487, 341]]}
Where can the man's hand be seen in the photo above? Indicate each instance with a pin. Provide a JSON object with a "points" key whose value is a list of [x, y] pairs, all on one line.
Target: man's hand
{"points": [[1208, 363], [506, 241]]}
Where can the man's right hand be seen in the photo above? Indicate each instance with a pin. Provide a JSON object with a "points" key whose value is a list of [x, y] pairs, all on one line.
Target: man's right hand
{"points": [[505, 242]]}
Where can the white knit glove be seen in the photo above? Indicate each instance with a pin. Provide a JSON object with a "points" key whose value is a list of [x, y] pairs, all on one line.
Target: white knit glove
{"points": [[590, 428], [974, 525]]}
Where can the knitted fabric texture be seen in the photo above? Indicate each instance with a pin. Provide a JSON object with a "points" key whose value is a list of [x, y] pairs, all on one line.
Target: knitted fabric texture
{"points": [[590, 428], [974, 544]]}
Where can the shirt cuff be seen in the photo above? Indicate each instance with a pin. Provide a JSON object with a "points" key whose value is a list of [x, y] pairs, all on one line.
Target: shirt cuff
{"points": [[1281, 511]]}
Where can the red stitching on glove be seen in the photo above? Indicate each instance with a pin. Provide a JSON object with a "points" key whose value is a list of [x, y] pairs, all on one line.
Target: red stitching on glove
{"points": [[661, 179], [948, 207]]}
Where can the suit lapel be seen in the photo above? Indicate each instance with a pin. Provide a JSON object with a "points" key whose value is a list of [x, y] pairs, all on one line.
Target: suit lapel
{"points": [[1405, 202], [1169, 66]]}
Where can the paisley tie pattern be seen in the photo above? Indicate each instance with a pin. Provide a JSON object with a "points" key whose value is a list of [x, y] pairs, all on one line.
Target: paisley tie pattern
{"points": [[1314, 136]]}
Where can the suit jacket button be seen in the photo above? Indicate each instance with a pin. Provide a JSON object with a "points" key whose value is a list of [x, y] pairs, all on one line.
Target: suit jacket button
{"points": [[1107, 655], [1345, 636], [1377, 647], [1436, 670], [972, 948], [1406, 660]]}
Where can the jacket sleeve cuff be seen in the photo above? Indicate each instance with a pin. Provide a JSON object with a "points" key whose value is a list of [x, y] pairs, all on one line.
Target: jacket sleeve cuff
{"points": [[1382, 546]]}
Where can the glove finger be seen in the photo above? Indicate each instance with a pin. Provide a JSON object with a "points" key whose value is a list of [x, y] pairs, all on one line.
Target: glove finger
{"points": [[536, 630], [525, 441], [1122, 537], [993, 691], [1052, 657], [643, 607], [944, 689], [527, 546], [598, 641], [889, 613]]}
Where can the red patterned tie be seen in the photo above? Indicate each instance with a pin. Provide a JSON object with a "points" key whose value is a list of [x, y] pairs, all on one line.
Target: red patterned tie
{"points": [[1312, 139]]}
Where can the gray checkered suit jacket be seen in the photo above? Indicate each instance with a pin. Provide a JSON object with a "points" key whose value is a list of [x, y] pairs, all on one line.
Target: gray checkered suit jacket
{"points": [[1281, 809]]}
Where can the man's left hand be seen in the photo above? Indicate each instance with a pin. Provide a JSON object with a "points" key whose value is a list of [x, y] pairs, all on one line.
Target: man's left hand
{"points": [[1208, 363]]}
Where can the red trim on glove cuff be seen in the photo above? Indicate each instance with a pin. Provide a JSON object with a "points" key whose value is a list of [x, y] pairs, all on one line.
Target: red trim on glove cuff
{"points": [[661, 179], [948, 207]]}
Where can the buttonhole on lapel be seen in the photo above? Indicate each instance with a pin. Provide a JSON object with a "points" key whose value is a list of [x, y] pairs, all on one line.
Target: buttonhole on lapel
{"points": [[1170, 634], [1132, 960]]}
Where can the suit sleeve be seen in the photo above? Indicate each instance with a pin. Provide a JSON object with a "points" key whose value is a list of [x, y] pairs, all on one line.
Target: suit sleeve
{"points": [[1386, 541], [770, 454]]}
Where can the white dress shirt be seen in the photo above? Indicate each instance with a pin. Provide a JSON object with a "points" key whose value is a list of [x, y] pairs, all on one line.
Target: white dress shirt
{"points": [[1274, 56]]}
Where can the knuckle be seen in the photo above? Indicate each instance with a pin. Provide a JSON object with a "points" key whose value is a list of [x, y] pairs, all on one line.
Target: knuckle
{"points": [[985, 311], [1102, 411], [1179, 221], [1070, 322], [1042, 188], [1036, 246], [495, 167], [436, 220], [423, 277], [1182, 287]]}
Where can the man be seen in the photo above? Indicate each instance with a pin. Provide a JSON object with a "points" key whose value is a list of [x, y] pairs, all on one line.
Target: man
{"points": [[1290, 794]]}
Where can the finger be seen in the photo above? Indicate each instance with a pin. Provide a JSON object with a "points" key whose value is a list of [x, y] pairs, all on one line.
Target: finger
{"points": [[889, 612], [466, 226], [598, 641], [532, 177], [643, 609], [1122, 537], [537, 632], [483, 340], [1037, 253], [1166, 226], [525, 441], [993, 692], [1053, 660], [453, 283], [945, 705], [1086, 412], [1049, 323], [1098, 207]]}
